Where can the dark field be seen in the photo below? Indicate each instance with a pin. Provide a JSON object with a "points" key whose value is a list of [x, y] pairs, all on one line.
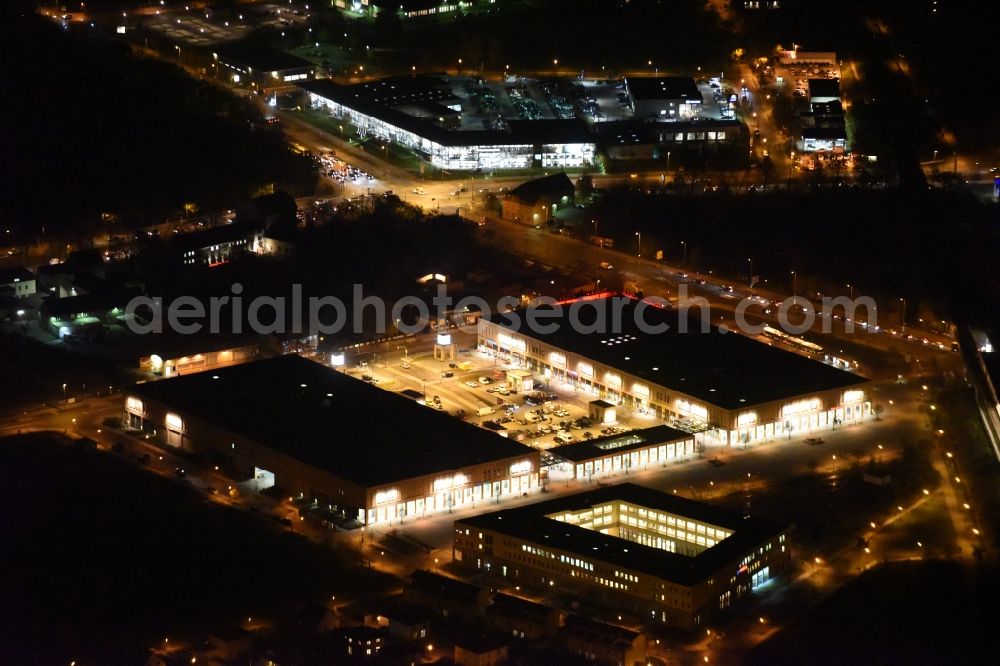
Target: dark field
{"points": [[101, 560], [904, 613]]}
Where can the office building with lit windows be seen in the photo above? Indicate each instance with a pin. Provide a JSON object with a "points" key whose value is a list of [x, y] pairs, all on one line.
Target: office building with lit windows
{"points": [[320, 434], [729, 386], [631, 549]]}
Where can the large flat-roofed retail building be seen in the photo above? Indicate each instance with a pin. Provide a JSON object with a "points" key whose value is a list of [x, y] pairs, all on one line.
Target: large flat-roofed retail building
{"points": [[658, 556], [309, 429], [739, 389], [397, 110]]}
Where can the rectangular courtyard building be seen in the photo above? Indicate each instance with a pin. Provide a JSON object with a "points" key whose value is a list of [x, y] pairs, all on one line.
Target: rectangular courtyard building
{"points": [[630, 549], [730, 386], [311, 430]]}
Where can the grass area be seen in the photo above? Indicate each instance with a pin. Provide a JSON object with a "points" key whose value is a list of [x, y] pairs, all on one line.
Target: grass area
{"points": [[929, 524], [102, 560], [317, 54], [324, 121], [830, 509], [395, 154], [35, 372], [963, 434], [903, 613]]}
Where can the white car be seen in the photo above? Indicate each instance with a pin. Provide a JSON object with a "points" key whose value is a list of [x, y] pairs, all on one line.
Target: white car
{"points": [[484, 380], [472, 384]]}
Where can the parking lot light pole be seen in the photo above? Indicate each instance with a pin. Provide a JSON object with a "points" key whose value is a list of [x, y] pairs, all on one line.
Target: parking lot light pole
{"points": [[638, 244]]}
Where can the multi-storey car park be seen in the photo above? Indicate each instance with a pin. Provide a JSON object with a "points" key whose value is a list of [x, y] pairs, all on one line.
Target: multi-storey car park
{"points": [[321, 434], [727, 385], [418, 112], [660, 557]]}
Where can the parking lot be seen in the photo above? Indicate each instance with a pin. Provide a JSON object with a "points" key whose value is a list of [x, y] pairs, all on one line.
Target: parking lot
{"points": [[473, 387], [196, 30]]}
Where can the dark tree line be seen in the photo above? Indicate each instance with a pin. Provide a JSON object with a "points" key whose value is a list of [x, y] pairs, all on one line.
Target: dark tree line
{"points": [[94, 128]]}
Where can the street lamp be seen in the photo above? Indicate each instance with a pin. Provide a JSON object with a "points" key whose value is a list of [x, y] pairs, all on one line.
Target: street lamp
{"points": [[794, 283], [750, 280], [904, 314], [684, 245], [638, 244]]}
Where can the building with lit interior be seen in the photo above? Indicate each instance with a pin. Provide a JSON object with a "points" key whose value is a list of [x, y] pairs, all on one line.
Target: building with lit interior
{"points": [[619, 453], [322, 435], [419, 113], [728, 385], [658, 556], [256, 65], [664, 97]]}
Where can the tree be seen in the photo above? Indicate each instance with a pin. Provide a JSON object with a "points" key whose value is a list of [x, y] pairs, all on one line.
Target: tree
{"points": [[767, 169]]}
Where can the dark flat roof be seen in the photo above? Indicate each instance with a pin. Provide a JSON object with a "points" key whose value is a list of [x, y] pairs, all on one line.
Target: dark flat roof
{"points": [[90, 304], [729, 370], [622, 132], [531, 191], [586, 629], [443, 587], [12, 274], [824, 88], [616, 444], [824, 133], [261, 58], [330, 420], [663, 87], [530, 523], [224, 233], [992, 362], [510, 606]]}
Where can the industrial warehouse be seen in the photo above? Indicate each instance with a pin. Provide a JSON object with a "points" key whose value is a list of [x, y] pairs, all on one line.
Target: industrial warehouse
{"points": [[424, 114], [293, 423], [727, 386], [658, 556]]}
